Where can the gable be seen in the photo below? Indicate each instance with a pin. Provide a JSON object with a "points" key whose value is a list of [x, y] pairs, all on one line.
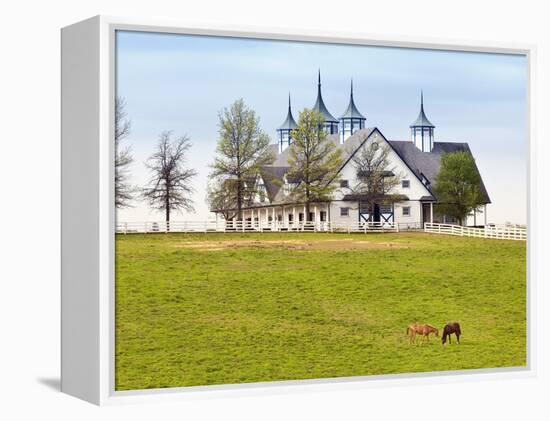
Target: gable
{"points": [[416, 189]]}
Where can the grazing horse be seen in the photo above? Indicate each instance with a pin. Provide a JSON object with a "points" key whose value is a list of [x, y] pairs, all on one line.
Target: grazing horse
{"points": [[448, 330], [423, 330]]}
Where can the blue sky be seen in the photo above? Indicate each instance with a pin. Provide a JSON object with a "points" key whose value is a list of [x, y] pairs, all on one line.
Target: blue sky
{"points": [[181, 82]]}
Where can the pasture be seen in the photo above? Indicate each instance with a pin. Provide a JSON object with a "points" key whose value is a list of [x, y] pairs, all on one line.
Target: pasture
{"points": [[204, 309]]}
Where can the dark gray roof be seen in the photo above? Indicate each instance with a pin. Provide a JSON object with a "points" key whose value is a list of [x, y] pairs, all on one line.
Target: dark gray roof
{"points": [[422, 164], [273, 177], [422, 120], [289, 123], [427, 164], [427, 199], [273, 149], [352, 111], [383, 173], [382, 197], [320, 105]]}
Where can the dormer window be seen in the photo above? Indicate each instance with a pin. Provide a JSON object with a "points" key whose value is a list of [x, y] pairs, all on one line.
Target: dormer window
{"points": [[405, 184], [344, 183]]}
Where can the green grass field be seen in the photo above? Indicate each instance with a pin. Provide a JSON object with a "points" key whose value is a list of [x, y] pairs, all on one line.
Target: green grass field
{"points": [[203, 309]]}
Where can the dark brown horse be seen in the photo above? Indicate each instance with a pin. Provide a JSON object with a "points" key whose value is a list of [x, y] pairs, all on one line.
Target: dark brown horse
{"points": [[448, 330]]}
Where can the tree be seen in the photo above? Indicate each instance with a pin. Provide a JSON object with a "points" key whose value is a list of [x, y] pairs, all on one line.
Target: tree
{"points": [[375, 179], [314, 161], [220, 197], [458, 186], [169, 187], [243, 148], [124, 192]]}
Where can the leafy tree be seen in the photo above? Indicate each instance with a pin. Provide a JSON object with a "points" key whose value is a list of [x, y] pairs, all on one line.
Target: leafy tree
{"points": [[243, 148], [314, 161], [376, 180], [458, 186], [124, 191], [169, 187], [221, 197]]}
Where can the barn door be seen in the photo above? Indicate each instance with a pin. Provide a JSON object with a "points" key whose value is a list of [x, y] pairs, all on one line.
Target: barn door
{"points": [[386, 213], [364, 213]]}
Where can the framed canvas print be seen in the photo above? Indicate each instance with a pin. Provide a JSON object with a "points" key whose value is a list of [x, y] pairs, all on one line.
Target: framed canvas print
{"points": [[246, 209]]}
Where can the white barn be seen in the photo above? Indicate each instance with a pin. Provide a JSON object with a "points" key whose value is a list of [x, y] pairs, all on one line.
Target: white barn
{"points": [[416, 160]]}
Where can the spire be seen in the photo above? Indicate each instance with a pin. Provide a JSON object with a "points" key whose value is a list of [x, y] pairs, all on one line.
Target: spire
{"points": [[422, 120], [289, 123], [320, 105], [352, 111]]}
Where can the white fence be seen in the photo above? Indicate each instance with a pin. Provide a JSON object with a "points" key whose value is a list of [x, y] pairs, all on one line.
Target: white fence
{"points": [[501, 232], [252, 226]]}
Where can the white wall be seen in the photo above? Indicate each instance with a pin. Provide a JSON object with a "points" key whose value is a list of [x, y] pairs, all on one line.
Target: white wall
{"points": [[335, 216], [414, 192], [415, 212]]}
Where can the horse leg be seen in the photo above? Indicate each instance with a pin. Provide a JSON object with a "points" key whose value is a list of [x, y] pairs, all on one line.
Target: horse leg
{"points": [[457, 337]]}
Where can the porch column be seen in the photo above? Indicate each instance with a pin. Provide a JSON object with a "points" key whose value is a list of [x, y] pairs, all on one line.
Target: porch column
{"points": [[315, 215], [284, 220], [485, 215], [266, 215], [294, 215], [431, 212]]}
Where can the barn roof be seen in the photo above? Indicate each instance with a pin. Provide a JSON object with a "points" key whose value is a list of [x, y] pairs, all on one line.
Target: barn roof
{"points": [[422, 120], [428, 164], [320, 105], [424, 165]]}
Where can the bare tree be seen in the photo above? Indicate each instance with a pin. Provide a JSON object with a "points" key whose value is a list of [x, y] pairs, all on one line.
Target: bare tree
{"points": [[169, 187], [376, 180], [124, 191], [243, 148]]}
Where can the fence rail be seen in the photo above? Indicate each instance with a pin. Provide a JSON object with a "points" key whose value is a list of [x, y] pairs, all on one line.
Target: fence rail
{"points": [[252, 226], [501, 232]]}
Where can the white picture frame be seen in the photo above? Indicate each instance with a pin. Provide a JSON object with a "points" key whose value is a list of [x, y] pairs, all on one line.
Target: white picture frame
{"points": [[88, 85]]}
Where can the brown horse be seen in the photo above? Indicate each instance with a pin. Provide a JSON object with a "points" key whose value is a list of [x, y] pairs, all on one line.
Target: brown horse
{"points": [[448, 330], [420, 329]]}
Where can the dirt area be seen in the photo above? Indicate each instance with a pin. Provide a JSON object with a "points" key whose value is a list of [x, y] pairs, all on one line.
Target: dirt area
{"points": [[328, 244]]}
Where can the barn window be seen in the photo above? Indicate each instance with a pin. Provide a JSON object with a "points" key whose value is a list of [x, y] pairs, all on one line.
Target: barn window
{"points": [[406, 211], [405, 184], [344, 211]]}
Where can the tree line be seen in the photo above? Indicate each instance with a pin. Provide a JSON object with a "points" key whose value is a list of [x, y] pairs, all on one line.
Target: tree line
{"points": [[243, 148]]}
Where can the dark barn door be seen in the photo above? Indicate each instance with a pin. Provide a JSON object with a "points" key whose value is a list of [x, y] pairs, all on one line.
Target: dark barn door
{"points": [[376, 213]]}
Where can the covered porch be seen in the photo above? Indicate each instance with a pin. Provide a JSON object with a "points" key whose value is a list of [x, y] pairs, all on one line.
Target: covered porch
{"points": [[288, 217]]}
